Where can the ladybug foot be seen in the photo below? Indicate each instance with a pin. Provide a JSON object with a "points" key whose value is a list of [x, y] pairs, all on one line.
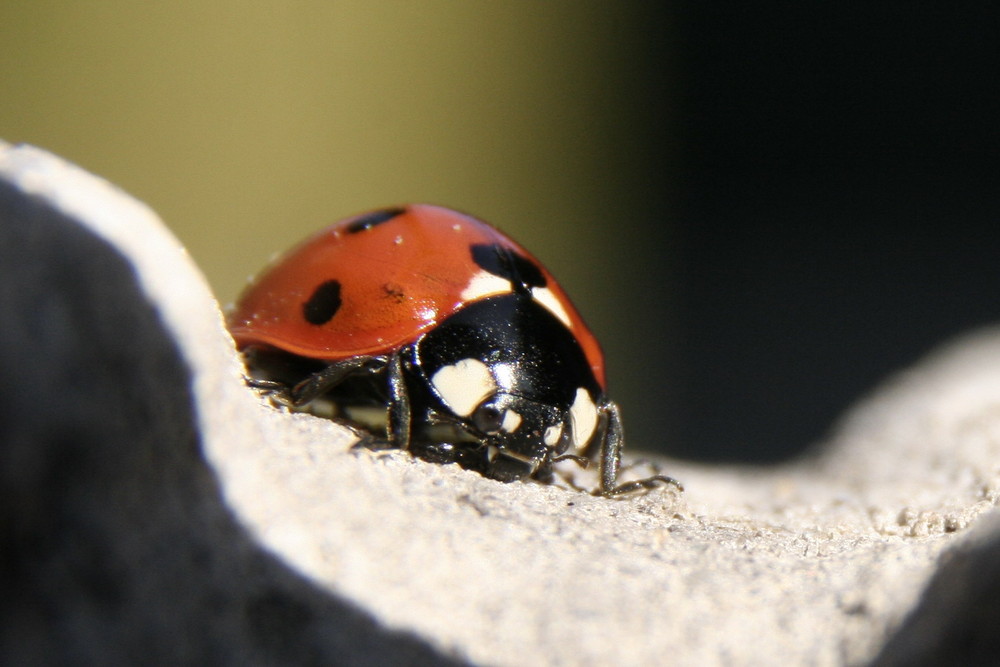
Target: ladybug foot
{"points": [[278, 392], [446, 452], [581, 461], [640, 485]]}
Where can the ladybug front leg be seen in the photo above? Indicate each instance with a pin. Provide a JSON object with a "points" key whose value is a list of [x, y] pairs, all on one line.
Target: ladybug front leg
{"points": [[612, 441], [400, 424], [399, 418]]}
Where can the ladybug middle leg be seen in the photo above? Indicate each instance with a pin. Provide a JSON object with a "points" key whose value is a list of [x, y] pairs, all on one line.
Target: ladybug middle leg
{"points": [[319, 382], [612, 439], [332, 375], [398, 413]]}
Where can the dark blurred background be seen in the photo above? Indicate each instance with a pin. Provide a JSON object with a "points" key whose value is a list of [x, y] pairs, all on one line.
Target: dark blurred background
{"points": [[838, 206], [763, 209]]}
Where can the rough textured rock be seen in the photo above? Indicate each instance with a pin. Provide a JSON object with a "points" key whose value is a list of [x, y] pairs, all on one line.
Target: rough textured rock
{"points": [[118, 547], [155, 509], [958, 618]]}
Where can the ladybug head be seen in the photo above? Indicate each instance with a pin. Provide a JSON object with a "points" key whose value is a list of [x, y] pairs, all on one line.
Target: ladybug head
{"points": [[521, 436], [521, 426]]}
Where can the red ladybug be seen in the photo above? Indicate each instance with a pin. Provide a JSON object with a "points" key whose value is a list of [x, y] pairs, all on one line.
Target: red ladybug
{"points": [[454, 331]]}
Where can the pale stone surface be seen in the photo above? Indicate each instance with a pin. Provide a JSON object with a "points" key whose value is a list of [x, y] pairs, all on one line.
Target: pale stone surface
{"points": [[817, 562]]}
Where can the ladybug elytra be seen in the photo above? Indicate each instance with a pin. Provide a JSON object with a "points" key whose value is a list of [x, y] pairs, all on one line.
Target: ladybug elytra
{"points": [[447, 327]]}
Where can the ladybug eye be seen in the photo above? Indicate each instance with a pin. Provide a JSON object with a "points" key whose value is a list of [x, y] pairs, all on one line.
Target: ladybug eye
{"points": [[487, 418]]}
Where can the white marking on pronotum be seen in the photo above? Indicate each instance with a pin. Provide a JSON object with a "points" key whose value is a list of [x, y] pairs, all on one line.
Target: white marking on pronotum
{"points": [[464, 385], [552, 435], [504, 375], [544, 296], [485, 284], [583, 415], [511, 420]]}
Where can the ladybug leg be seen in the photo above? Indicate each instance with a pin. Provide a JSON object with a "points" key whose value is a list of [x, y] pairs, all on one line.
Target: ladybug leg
{"points": [[581, 461], [400, 423], [279, 392], [326, 379], [612, 441], [399, 415], [465, 454], [320, 382], [566, 476], [612, 438]]}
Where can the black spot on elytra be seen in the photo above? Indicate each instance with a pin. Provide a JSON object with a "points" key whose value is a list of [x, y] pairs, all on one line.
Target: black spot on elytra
{"points": [[369, 220], [504, 262], [323, 304]]}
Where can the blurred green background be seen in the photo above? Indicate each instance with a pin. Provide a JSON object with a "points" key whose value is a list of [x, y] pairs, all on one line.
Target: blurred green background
{"points": [[247, 125]]}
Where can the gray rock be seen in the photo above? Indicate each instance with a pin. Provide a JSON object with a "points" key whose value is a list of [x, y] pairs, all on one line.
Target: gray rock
{"points": [[118, 546], [157, 510], [958, 619]]}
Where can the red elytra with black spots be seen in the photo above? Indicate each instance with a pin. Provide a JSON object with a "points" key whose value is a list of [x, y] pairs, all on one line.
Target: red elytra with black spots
{"points": [[474, 350], [365, 286]]}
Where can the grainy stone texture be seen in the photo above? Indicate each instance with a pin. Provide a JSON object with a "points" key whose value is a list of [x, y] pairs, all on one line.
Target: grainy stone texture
{"points": [[155, 509], [118, 547]]}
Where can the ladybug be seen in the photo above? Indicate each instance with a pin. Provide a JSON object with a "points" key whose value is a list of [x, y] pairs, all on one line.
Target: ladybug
{"points": [[456, 335]]}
